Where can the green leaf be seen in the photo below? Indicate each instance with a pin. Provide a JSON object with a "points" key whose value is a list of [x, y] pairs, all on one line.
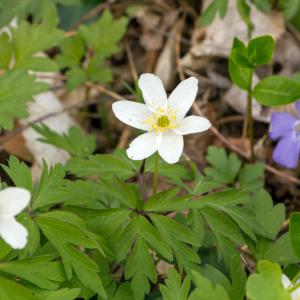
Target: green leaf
{"points": [[276, 90], [294, 229], [209, 14], [5, 51], [224, 168], [124, 292], [223, 6], [14, 291], [19, 173], [97, 71], [260, 49], [206, 290], [291, 8], [269, 218], [72, 51], [244, 11], [140, 268], [177, 237], [76, 76], [266, 283], [251, 177], [62, 294], [60, 234], [281, 251], [239, 75], [47, 191], [79, 192], [241, 59], [167, 201], [16, 89], [30, 39], [104, 165], [68, 141], [111, 32], [41, 271], [175, 288]]}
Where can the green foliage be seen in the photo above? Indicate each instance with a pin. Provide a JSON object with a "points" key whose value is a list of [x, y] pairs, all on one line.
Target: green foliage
{"points": [[68, 141], [294, 233], [276, 90], [266, 283], [97, 46], [16, 89], [175, 288], [211, 11]]}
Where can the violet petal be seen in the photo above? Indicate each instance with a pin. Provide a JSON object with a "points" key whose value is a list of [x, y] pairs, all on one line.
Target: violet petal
{"points": [[287, 151], [282, 123]]}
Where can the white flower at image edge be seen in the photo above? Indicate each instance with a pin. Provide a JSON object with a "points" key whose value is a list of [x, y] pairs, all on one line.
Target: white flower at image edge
{"points": [[13, 200], [162, 117], [287, 284]]}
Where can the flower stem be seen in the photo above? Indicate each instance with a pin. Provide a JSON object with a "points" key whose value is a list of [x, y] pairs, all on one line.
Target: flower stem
{"points": [[155, 173], [142, 181], [250, 119], [294, 287]]}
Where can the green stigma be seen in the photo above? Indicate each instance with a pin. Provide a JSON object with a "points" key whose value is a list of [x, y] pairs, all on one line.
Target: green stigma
{"points": [[163, 121]]}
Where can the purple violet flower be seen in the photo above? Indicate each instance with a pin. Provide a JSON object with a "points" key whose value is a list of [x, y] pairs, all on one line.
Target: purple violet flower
{"points": [[286, 129]]}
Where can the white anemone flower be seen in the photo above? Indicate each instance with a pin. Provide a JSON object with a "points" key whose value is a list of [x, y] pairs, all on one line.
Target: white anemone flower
{"points": [[162, 117], [288, 284], [12, 201]]}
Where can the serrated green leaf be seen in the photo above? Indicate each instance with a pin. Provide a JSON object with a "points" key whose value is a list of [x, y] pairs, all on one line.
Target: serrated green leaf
{"points": [[224, 168], [29, 39], [62, 294], [251, 177], [68, 141], [140, 268], [5, 50], [16, 89], [206, 290], [47, 191], [175, 288], [19, 173], [111, 32]]}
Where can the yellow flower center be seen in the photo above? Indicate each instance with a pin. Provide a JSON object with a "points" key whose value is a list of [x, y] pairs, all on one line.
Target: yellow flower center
{"points": [[162, 121]]}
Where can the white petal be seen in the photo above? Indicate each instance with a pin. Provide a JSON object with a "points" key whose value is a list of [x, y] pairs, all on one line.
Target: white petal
{"points": [[296, 294], [285, 281], [153, 91], [13, 233], [132, 113], [144, 146], [13, 200], [182, 98], [171, 147], [192, 124]]}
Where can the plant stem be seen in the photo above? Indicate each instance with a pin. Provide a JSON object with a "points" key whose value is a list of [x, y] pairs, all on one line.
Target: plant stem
{"points": [[155, 173], [250, 119], [142, 181]]}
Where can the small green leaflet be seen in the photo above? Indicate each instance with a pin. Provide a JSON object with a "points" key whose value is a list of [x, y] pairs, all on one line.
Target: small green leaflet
{"points": [[211, 11], [294, 229]]}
